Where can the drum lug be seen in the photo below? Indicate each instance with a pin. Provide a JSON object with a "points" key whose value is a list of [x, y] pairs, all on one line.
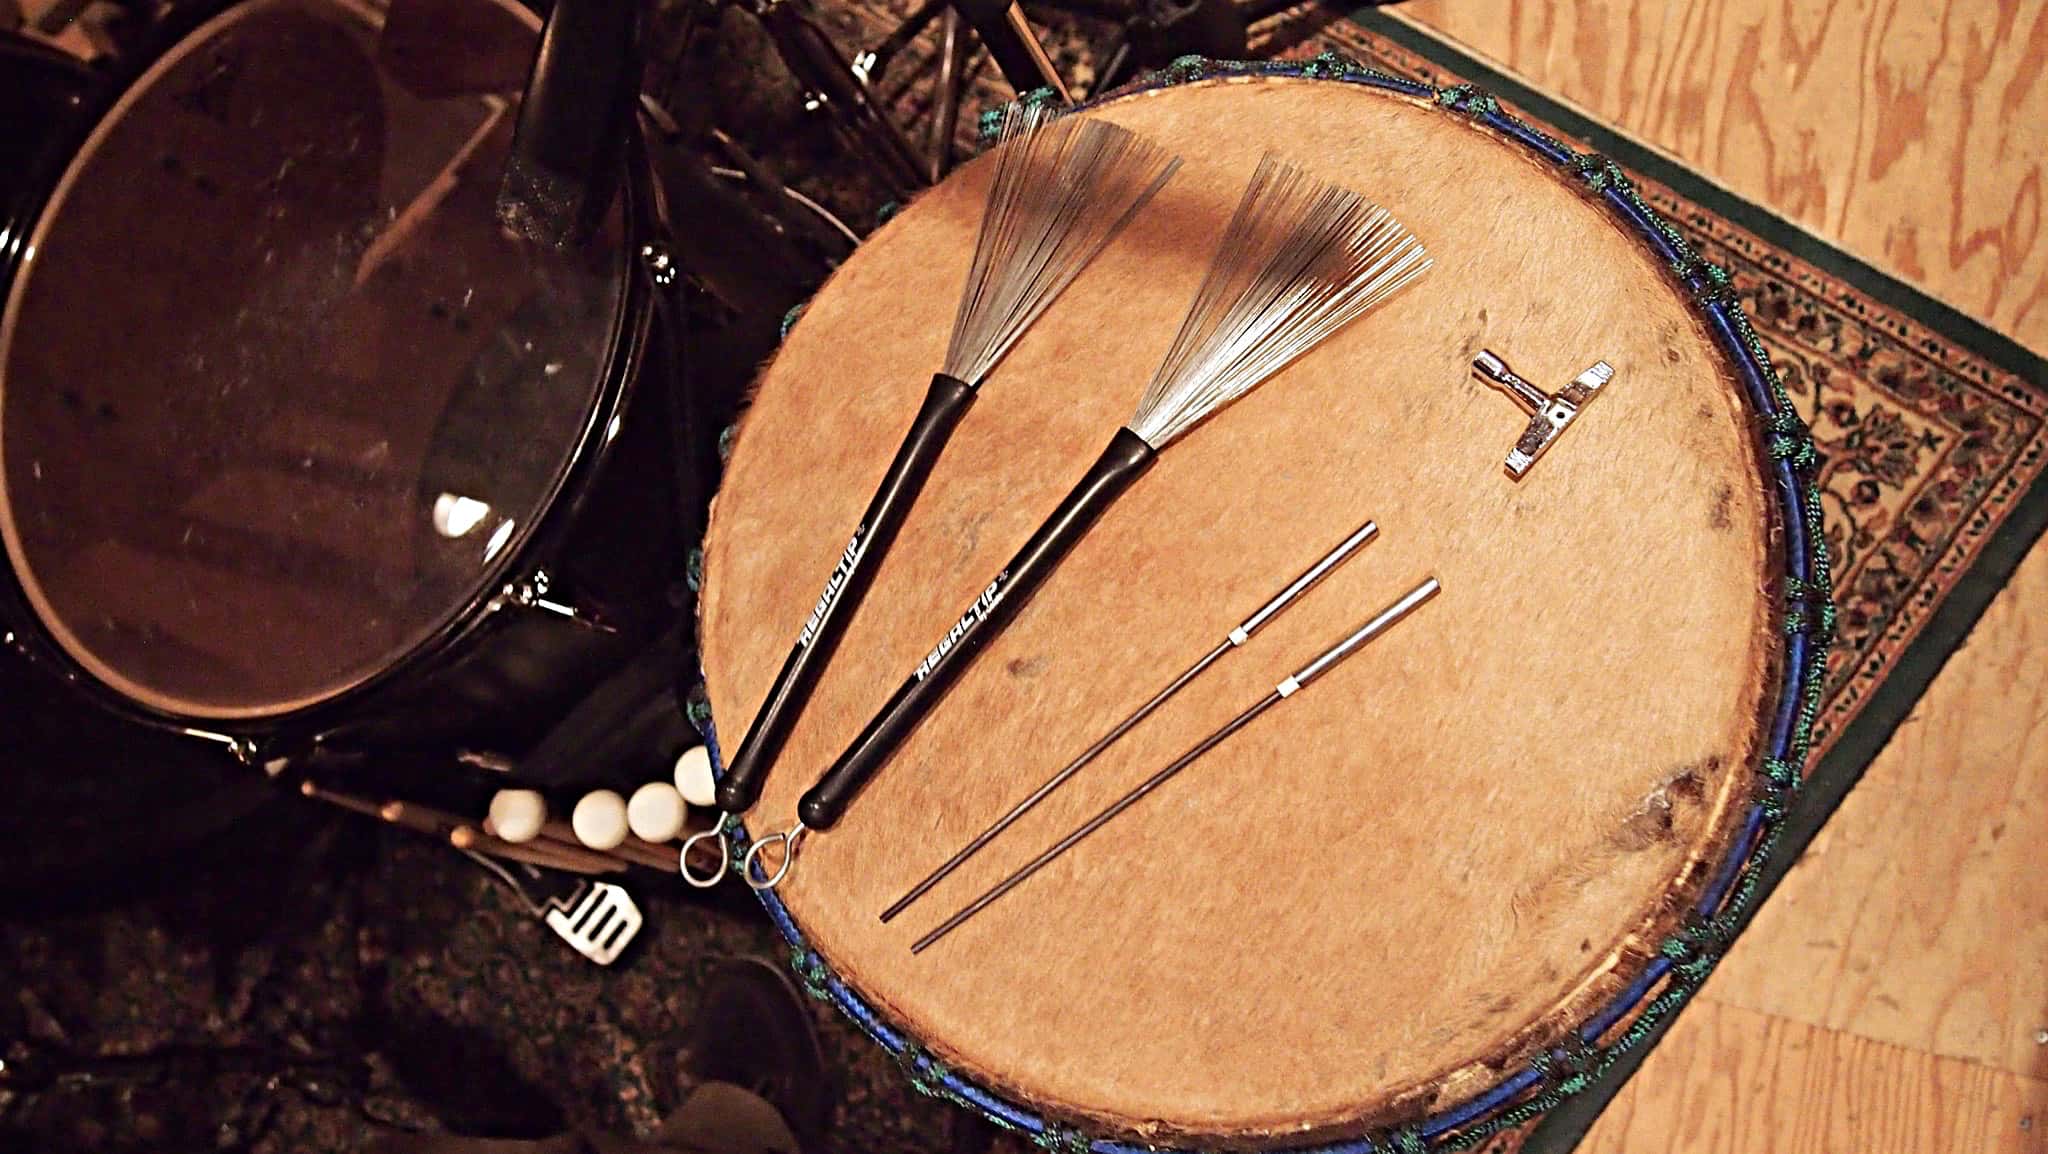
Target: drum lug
{"points": [[534, 593], [246, 750], [659, 261]]}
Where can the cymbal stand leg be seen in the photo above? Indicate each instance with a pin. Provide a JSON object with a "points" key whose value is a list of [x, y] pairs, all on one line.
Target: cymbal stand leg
{"points": [[946, 96], [831, 84]]}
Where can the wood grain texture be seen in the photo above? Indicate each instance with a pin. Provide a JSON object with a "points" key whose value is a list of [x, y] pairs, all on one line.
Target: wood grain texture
{"points": [[1733, 1081], [1911, 132], [1461, 836], [1919, 917]]}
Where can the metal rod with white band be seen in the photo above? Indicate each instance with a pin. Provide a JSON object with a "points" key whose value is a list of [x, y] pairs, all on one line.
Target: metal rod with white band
{"points": [[1386, 619], [1235, 638]]}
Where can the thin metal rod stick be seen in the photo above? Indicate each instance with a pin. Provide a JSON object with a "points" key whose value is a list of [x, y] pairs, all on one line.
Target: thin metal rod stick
{"points": [[945, 97], [1097, 822], [1236, 637], [1054, 782], [1287, 688]]}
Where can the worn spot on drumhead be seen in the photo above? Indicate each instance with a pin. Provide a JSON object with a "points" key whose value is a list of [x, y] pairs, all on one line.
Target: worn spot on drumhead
{"points": [[1691, 783], [1672, 355], [1477, 340], [1023, 667], [970, 534], [1724, 501], [1648, 825], [1655, 821]]}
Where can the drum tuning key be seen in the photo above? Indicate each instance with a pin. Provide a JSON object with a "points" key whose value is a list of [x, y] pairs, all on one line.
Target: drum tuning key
{"points": [[1549, 414]]}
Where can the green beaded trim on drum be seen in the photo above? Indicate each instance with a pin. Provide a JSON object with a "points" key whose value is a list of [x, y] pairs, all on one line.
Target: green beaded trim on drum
{"points": [[989, 124], [1061, 1139], [697, 706], [810, 970], [1686, 956]]}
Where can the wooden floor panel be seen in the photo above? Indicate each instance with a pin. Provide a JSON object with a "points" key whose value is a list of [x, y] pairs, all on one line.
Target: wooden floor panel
{"points": [[1919, 917], [1911, 132], [1733, 1081]]}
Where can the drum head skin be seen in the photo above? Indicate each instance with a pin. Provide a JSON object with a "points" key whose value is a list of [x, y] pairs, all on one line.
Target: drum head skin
{"points": [[278, 400], [1390, 890]]}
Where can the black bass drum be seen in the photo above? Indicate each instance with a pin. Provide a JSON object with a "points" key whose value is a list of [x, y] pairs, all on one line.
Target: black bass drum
{"points": [[297, 445]]}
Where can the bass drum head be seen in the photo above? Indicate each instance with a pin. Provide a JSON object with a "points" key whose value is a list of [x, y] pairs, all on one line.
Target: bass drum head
{"points": [[279, 400], [1384, 896]]}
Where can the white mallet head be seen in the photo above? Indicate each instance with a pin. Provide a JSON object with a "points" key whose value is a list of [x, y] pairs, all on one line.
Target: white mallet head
{"points": [[693, 777], [517, 814], [600, 819], [655, 812]]}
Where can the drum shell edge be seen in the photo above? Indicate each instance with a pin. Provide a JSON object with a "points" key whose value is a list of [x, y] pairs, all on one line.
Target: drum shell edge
{"points": [[499, 665]]}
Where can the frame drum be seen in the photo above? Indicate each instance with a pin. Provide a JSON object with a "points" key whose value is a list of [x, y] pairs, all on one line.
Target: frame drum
{"points": [[293, 437], [1439, 889]]}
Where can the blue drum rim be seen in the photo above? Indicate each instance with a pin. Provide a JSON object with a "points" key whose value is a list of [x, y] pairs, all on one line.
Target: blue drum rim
{"points": [[1686, 957]]}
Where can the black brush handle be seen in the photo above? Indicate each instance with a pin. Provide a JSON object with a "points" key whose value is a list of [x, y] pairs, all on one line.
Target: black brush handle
{"points": [[944, 404], [1126, 458]]}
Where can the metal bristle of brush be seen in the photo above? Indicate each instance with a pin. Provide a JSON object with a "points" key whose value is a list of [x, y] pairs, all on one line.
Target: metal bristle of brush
{"points": [[1299, 260], [1063, 187]]}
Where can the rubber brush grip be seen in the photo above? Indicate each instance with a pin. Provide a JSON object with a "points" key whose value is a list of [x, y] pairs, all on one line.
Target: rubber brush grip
{"points": [[945, 403], [1121, 464]]}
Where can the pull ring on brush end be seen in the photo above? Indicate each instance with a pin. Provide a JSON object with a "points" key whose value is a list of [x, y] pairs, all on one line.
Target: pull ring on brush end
{"points": [[716, 835], [789, 839]]}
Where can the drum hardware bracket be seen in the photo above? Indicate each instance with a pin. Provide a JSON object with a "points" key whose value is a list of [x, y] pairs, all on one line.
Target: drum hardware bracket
{"points": [[1549, 414], [597, 919], [660, 263], [532, 593], [246, 750]]}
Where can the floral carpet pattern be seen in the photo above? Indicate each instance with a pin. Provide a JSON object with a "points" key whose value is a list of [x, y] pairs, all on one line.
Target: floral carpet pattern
{"points": [[322, 979]]}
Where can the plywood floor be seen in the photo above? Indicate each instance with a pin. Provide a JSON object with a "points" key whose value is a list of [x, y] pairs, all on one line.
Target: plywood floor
{"points": [[1909, 132], [1892, 996]]}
